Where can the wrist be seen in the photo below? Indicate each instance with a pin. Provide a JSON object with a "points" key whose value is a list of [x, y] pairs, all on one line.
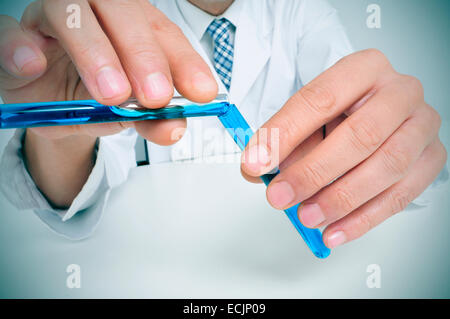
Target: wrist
{"points": [[59, 167], [68, 143]]}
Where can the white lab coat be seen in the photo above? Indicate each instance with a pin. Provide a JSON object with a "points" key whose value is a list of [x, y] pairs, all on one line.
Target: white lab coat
{"points": [[280, 45]]}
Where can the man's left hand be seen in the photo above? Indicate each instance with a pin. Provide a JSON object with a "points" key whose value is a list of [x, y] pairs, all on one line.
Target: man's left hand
{"points": [[381, 149]]}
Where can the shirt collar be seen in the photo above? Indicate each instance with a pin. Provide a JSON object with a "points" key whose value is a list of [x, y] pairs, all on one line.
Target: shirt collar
{"points": [[199, 20]]}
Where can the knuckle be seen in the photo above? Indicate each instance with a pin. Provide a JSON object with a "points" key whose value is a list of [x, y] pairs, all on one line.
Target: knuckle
{"points": [[377, 57], [440, 154], [143, 50], [87, 52], [318, 98], [345, 200], [413, 86], [375, 53], [364, 134], [435, 117], [175, 30], [288, 131], [414, 82], [50, 22], [184, 54], [396, 159], [444, 155], [313, 174], [165, 26], [400, 197], [48, 6], [365, 222]]}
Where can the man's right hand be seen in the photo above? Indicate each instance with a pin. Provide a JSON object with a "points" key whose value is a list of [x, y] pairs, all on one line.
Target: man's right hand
{"points": [[122, 48]]}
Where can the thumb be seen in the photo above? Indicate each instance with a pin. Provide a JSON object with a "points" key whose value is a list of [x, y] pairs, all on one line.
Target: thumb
{"points": [[21, 60]]}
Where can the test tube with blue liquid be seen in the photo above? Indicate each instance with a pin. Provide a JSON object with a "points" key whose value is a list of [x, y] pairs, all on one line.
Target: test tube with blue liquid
{"points": [[24, 115]]}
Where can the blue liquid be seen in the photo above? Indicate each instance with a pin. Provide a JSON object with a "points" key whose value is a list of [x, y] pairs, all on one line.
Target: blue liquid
{"points": [[23, 115], [241, 133]]}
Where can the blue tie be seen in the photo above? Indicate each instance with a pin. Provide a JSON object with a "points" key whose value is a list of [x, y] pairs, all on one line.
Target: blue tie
{"points": [[220, 32]]}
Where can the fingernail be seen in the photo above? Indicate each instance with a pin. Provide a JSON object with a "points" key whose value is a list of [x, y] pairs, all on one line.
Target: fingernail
{"points": [[256, 158], [280, 194], [203, 82], [111, 82], [157, 87], [311, 215], [22, 56], [336, 239]]}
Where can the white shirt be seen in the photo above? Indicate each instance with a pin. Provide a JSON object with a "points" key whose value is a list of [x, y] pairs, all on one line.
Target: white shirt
{"points": [[278, 47]]}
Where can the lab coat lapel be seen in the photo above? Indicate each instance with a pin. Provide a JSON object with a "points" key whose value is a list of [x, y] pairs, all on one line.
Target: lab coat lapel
{"points": [[251, 53]]}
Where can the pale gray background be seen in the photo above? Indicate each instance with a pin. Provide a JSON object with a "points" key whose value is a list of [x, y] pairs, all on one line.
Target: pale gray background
{"points": [[413, 249]]}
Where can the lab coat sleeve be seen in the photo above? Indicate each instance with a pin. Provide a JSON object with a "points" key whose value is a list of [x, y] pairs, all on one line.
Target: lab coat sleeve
{"points": [[115, 157], [321, 42]]}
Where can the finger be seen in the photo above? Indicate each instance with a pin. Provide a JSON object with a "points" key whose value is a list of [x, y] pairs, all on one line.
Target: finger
{"points": [[162, 132], [138, 49], [320, 101], [21, 60], [89, 48], [391, 201], [191, 75], [389, 164], [251, 179], [302, 150], [348, 145]]}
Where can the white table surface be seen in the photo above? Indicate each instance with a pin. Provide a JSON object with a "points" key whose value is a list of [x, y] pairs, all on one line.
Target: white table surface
{"points": [[202, 231]]}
